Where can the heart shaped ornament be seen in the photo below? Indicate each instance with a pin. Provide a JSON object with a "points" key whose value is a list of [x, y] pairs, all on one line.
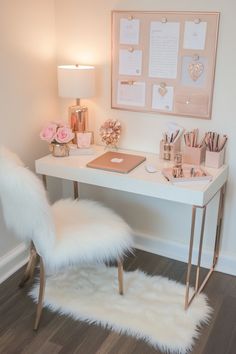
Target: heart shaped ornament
{"points": [[195, 70], [162, 89]]}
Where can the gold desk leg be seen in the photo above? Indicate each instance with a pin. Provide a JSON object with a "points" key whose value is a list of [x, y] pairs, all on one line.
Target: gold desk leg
{"points": [[44, 178], [200, 248], [190, 256], [219, 223], [198, 288], [76, 190]]}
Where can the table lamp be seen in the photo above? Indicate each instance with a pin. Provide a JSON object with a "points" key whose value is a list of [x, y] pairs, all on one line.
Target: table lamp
{"points": [[76, 81]]}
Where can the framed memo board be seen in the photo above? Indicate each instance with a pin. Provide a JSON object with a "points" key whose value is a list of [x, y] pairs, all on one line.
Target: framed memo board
{"points": [[164, 62]]}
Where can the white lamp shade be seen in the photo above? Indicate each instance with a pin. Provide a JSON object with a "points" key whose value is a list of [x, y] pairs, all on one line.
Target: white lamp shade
{"points": [[76, 81]]}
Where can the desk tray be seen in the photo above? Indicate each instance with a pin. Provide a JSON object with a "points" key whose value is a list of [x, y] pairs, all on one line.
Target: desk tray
{"points": [[190, 174]]}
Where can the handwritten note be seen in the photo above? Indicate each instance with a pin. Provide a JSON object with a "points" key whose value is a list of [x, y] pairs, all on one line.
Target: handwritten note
{"points": [[164, 47], [129, 31], [131, 94], [195, 35], [164, 103], [130, 63]]}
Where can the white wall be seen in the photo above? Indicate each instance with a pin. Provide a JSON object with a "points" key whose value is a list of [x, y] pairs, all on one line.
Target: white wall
{"points": [[28, 94], [83, 32]]}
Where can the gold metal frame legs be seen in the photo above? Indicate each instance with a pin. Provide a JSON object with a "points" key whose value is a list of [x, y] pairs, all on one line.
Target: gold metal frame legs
{"points": [[42, 289], [198, 288], [28, 275], [41, 295], [44, 178], [76, 190], [29, 271], [120, 277]]}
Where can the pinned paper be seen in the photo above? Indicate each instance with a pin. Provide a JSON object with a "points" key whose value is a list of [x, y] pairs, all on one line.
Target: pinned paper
{"points": [[129, 31], [130, 62], [131, 94], [160, 101], [195, 35], [164, 48]]}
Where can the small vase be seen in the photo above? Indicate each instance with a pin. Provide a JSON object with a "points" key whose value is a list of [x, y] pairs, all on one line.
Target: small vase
{"points": [[59, 150], [111, 147]]}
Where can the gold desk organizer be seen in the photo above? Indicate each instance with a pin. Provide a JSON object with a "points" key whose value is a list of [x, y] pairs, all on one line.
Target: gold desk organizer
{"points": [[168, 150], [194, 155], [189, 174]]}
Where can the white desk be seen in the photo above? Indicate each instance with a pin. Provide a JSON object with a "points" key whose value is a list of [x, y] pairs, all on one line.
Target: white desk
{"points": [[139, 181]]}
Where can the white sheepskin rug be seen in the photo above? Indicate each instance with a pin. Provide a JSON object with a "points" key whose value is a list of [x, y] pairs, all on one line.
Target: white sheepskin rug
{"points": [[150, 309]]}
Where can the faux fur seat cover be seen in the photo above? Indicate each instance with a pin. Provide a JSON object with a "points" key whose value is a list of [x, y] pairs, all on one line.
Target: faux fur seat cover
{"points": [[87, 231], [65, 233]]}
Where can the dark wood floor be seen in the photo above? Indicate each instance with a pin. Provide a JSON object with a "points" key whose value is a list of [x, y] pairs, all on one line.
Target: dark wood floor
{"points": [[59, 334]]}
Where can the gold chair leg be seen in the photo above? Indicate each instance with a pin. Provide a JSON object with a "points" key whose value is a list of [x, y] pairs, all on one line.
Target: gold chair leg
{"points": [[76, 190], [41, 295], [29, 271], [120, 277]]}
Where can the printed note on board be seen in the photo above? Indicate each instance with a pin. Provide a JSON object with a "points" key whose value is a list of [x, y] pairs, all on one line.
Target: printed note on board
{"points": [[164, 48], [130, 62], [195, 35], [129, 31], [131, 94]]}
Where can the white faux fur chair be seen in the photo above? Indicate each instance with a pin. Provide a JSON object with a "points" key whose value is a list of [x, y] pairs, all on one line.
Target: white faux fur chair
{"points": [[67, 233]]}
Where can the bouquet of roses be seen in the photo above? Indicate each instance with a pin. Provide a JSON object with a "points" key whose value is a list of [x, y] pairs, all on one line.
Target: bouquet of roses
{"points": [[57, 132]]}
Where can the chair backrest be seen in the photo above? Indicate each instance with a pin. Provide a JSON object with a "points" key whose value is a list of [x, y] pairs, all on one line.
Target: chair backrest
{"points": [[25, 207]]}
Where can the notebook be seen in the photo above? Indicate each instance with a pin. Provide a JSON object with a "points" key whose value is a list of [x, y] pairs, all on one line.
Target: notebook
{"points": [[116, 162]]}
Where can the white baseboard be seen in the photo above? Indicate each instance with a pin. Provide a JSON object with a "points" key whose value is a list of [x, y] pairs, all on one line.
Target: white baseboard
{"points": [[16, 258], [166, 248], [12, 261]]}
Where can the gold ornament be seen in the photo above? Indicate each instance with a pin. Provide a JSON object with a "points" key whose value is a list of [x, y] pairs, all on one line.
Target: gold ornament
{"points": [[110, 132], [195, 70], [162, 89]]}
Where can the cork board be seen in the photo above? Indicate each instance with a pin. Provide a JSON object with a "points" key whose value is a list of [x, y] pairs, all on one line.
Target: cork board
{"points": [[164, 62]]}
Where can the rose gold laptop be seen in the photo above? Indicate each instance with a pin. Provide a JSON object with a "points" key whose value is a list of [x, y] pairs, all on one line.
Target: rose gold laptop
{"points": [[116, 162]]}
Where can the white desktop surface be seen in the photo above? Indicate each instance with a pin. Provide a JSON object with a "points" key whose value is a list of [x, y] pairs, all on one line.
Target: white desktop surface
{"points": [[137, 181]]}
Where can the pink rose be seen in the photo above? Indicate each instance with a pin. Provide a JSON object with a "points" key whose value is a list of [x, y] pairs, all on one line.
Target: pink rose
{"points": [[48, 133], [64, 135]]}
